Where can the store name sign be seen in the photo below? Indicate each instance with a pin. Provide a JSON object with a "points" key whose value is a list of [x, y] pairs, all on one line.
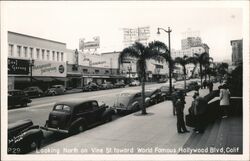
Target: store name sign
{"points": [[49, 68], [18, 66]]}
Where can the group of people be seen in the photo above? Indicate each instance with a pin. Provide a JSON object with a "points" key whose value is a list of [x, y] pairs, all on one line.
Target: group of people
{"points": [[198, 108]]}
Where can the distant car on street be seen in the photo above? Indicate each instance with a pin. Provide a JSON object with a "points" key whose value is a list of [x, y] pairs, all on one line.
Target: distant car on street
{"points": [[162, 80], [55, 90], [119, 85], [106, 85], [23, 137], [135, 83], [18, 97], [91, 87], [74, 116], [130, 101], [33, 91]]}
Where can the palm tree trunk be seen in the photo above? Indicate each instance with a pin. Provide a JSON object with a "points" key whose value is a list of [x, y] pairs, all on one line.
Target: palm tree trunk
{"points": [[201, 73], [143, 110]]}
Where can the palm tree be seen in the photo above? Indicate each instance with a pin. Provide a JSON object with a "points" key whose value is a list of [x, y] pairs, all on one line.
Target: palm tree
{"points": [[141, 53], [202, 60], [183, 62], [222, 69], [207, 63]]}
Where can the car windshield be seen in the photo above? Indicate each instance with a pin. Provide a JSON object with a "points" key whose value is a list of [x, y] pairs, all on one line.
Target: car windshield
{"points": [[62, 108]]}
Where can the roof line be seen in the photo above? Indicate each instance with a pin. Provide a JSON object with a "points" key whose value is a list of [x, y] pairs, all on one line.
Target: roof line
{"points": [[36, 37]]}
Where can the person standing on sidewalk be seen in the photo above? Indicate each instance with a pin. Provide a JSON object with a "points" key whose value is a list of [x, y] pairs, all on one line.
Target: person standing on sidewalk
{"points": [[224, 101], [198, 109], [210, 86], [180, 104]]}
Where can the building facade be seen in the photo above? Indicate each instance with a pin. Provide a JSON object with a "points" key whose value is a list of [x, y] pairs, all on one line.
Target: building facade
{"points": [[237, 46], [35, 61]]}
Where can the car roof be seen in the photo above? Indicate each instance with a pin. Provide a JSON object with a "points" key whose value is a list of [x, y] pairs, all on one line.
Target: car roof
{"points": [[73, 102]]}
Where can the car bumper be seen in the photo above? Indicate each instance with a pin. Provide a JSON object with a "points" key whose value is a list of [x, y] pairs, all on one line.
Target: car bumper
{"points": [[55, 130]]}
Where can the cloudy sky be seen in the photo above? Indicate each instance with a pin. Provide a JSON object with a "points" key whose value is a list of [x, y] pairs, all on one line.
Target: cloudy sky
{"points": [[217, 22]]}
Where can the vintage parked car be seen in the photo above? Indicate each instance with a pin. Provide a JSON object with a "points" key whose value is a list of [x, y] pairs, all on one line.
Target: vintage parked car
{"points": [[135, 83], [106, 85], [74, 116], [193, 85], [23, 137], [129, 101], [154, 94], [90, 87], [18, 97], [162, 80], [119, 85], [165, 93], [55, 90], [33, 91]]}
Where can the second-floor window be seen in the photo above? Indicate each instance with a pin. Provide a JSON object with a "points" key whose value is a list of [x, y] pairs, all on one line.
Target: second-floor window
{"points": [[47, 54], [19, 51], [25, 51], [57, 58], [31, 53], [38, 53], [53, 55], [61, 56], [97, 71], [43, 54], [11, 49]]}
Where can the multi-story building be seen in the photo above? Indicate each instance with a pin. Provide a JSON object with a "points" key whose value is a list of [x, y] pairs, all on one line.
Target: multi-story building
{"points": [[237, 51], [190, 42], [35, 61]]}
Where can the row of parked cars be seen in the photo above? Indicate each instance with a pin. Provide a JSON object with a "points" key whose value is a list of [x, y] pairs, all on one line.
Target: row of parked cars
{"points": [[76, 115]]}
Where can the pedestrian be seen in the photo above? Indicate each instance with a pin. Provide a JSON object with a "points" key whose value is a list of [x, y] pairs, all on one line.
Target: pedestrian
{"points": [[224, 101], [197, 110], [174, 99], [204, 84], [210, 86], [180, 104]]}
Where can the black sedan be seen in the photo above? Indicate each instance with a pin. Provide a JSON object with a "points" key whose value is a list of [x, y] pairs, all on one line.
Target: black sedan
{"points": [[33, 91], [74, 116], [91, 87], [18, 97]]}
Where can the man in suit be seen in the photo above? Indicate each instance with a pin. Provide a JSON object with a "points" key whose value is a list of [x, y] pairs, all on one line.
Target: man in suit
{"points": [[179, 105]]}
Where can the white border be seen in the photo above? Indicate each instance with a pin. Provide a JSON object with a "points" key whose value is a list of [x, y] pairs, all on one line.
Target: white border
{"points": [[209, 4]]}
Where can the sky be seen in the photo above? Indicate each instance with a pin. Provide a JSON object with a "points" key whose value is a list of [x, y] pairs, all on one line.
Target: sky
{"points": [[64, 21]]}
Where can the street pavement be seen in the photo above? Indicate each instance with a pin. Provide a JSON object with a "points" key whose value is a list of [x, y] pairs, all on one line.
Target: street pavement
{"points": [[154, 133]]}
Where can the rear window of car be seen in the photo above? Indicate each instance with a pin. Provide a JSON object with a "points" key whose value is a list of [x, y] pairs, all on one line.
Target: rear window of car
{"points": [[62, 108]]}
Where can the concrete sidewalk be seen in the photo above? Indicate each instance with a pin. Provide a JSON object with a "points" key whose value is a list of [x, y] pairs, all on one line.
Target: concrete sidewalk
{"points": [[155, 133]]}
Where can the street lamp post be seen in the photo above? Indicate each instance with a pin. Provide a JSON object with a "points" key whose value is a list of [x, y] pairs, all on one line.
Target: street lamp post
{"points": [[170, 61], [31, 65]]}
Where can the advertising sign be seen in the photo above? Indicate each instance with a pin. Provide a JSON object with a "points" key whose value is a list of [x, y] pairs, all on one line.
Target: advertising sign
{"points": [[140, 34], [89, 44], [18, 66], [49, 68]]}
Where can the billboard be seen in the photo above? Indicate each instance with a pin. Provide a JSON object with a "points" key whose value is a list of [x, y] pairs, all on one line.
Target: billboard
{"points": [[18, 66], [49, 68], [140, 34], [89, 44]]}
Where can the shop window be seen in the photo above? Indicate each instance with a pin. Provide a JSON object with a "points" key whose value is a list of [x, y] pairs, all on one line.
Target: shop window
{"points": [[74, 68], [106, 71], [97, 71]]}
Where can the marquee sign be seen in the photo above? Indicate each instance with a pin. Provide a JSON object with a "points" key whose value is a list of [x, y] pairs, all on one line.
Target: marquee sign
{"points": [[18, 66]]}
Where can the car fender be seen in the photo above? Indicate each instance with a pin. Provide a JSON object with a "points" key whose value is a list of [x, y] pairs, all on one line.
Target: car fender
{"points": [[107, 112], [135, 104], [77, 121]]}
